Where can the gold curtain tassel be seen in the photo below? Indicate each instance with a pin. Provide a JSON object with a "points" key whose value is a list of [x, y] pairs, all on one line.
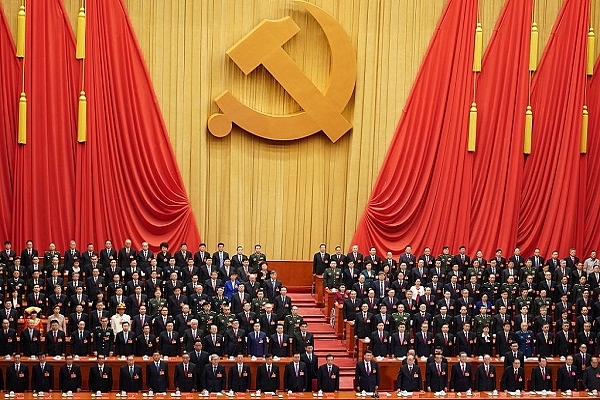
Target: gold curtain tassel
{"points": [[533, 47], [21, 32], [478, 48], [528, 130], [472, 127], [82, 125], [22, 135], [591, 52], [81, 24], [584, 131]]}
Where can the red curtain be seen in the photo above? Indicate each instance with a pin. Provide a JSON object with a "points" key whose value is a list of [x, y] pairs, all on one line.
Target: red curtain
{"points": [[552, 205], [423, 193], [128, 181], [44, 185], [592, 212], [10, 72], [502, 90]]}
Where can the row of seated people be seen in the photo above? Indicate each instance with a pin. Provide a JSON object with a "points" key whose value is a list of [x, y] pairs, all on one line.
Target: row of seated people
{"points": [[578, 372], [198, 371]]}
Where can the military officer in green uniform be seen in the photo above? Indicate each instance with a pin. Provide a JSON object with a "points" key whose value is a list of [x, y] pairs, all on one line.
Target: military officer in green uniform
{"points": [[400, 317], [292, 322], [259, 303], [219, 300], [482, 320], [579, 288], [156, 303], [257, 258], [475, 270], [104, 338], [491, 288], [206, 317], [332, 276], [510, 287], [524, 300], [542, 301], [49, 255], [528, 269], [225, 319], [446, 259]]}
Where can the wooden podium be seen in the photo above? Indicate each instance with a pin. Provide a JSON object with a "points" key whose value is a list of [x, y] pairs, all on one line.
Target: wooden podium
{"points": [[329, 299], [319, 290], [338, 324], [350, 341]]}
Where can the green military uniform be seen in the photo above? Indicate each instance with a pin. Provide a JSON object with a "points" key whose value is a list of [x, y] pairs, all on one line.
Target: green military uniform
{"points": [[578, 290], [206, 319], [524, 272], [492, 291], [332, 277], [154, 306], [481, 321], [224, 321], [291, 324], [258, 304], [538, 303], [217, 302], [400, 319], [478, 272], [48, 256], [446, 260], [256, 260], [103, 340], [521, 302], [511, 289]]}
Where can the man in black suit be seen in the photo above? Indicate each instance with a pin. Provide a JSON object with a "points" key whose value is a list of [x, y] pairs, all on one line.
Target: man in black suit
{"points": [[239, 376], [28, 253], [42, 375], [125, 341], [567, 376], [541, 376], [214, 342], [545, 341], [437, 375], [409, 376], [363, 322], [130, 377], [267, 376], [8, 255], [69, 376], [582, 360], [513, 378], [303, 339], [220, 255], [321, 260], [513, 354], [17, 376], [55, 340], [201, 256], [168, 341], [356, 257], [328, 376], [144, 257], [485, 375], [311, 360], [591, 380], [295, 375], [465, 340], [214, 376], [564, 341], [30, 340], [235, 339], [367, 374], [100, 376], [272, 286], [157, 374], [185, 378], [145, 343], [380, 342], [81, 340], [8, 339], [423, 341], [462, 375]]}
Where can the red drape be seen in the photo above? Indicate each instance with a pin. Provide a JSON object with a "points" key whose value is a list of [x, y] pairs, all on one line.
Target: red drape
{"points": [[423, 193], [502, 90], [552, 206], [10, 72], [592, 212], [128, 181], [44, 185]]}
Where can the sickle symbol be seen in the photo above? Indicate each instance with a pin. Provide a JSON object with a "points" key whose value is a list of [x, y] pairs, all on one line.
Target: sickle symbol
{"points": [[322, 111]]}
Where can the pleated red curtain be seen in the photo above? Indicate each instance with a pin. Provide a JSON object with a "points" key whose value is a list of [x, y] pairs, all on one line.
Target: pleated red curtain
{"points": [[44, 179], [592, 189], [128, 180], [10, 72]]}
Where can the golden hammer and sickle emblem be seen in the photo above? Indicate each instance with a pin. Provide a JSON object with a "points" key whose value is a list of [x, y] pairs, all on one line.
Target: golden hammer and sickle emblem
{"points": [[322, 111]]}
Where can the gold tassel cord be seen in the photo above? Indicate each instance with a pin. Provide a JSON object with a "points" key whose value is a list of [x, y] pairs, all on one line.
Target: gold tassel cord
{"points": [[478, 48], [533, 47], [81, 26], [21, 31], [591, 52], [472, 127], [82, 118], [528, 130], [584, 131], [22, 135]]}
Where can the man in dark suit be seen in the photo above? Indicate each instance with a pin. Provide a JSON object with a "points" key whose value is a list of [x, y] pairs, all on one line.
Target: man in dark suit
{"points": [[356, 257], [462, 375], [125, 341], [235, 339], [69, 376], [272, 286], [567, 376], [409, 376], [311, 360], [303, 339], [100, 376], [8, 255], [257, 342], [126, 255], [144, 257], [321, 260], [42, 375], [423, 341], [267, 376], [81, 340], [157, 374], [513, 354], [30, 340], [279, 343], [213, 342], [591, 378], [55, 340], [582, 360], [185, 378], [239, 376], [220, 255], [28, 253], [367, 374], [545, 341], [201, 256], [513, 378], [8, 339], [465, 340], [145, 343], [130, 377], [168, 341], [363, 322], [295, 375], [485, 375], [564, 341], [328, 376], [17, 376], [380, 342], [541, 376], [437, 375], [214, 377]]}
